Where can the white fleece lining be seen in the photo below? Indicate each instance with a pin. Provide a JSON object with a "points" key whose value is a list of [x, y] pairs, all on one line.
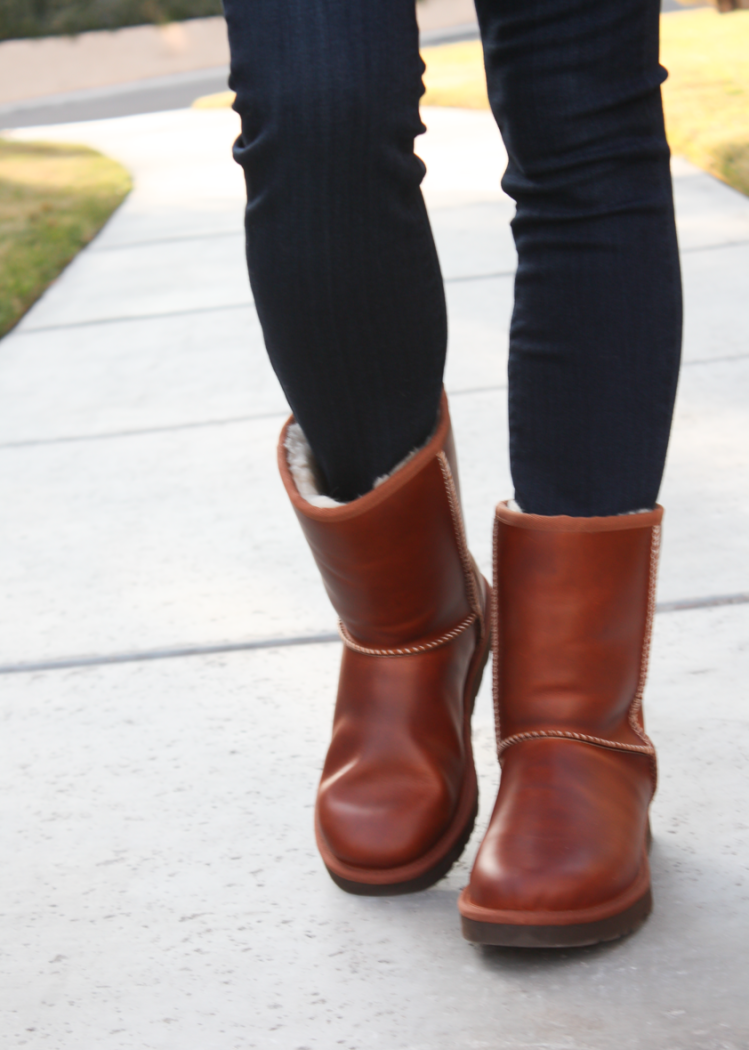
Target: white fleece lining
{"points": [[513, 504], [304, 469], [306, 474], [406, 459]]}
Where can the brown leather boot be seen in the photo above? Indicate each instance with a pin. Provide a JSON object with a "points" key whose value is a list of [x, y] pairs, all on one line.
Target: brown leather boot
{"points": [[564, 861], [398, 794]]}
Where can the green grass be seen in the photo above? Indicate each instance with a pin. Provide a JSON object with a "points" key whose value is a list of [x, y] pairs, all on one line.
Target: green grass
{"points": [[53, 200], [31, 18], [706, 96]]}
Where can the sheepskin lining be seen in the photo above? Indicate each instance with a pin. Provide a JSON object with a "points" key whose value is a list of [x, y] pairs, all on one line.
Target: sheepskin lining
{"points": [[304, 469], [513, 504], [406, 459], [306, 473]]}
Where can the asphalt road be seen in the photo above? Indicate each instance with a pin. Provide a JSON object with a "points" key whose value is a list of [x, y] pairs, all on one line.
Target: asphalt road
{"points": [[153, 95]]}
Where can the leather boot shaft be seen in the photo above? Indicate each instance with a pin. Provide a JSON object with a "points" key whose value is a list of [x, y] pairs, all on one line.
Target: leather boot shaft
{"points": [[395, 562], [575, 599]]}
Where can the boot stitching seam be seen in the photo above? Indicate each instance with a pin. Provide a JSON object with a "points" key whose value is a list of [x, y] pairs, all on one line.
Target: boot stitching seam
{"points": [[568, 734], [460, 535], [406, 650]]}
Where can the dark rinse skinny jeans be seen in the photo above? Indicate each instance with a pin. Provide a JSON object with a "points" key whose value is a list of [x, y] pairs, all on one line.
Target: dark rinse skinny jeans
{"points": [[344, 269]]}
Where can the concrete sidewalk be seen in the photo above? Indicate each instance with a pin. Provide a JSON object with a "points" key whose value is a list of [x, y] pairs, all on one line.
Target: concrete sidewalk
{"points": [[168, 673]]}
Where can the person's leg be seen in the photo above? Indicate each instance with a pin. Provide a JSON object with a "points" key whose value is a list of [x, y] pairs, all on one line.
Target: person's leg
{"points": [[594, 355], [341, 257], [596, 332], [349, 293]]}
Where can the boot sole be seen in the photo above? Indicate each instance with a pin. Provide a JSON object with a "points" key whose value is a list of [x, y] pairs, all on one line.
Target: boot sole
{"points": [[423, 873], [421, 882], [572, 929], [574, 935]]}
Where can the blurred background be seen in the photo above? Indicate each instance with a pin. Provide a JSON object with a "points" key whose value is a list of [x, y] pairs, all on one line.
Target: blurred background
{"points": [[161, 54], [64, 61]]}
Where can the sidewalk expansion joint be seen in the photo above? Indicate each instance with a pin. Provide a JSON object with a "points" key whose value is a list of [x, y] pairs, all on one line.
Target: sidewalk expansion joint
{"points": [[67, 663], [168, 428], [97, 249], [492, 389], [478, 277], [65, 325], [714, 247], [684, 604], [132, 317], [715, 360]]}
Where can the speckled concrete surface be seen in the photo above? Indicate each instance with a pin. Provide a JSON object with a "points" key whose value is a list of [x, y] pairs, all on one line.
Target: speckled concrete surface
{"points": [[160, 886]]}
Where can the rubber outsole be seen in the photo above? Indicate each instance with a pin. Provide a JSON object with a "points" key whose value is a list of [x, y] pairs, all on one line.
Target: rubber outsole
{"points": [[568, 935], [381, 887], [574, 935]]}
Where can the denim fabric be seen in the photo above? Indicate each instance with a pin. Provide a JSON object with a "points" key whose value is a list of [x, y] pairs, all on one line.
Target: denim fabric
{"points": [[343, 266]]}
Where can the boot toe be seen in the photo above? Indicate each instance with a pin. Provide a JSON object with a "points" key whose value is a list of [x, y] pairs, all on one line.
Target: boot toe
{"points": [[535, 877], [557, 841], [384, 817]]}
